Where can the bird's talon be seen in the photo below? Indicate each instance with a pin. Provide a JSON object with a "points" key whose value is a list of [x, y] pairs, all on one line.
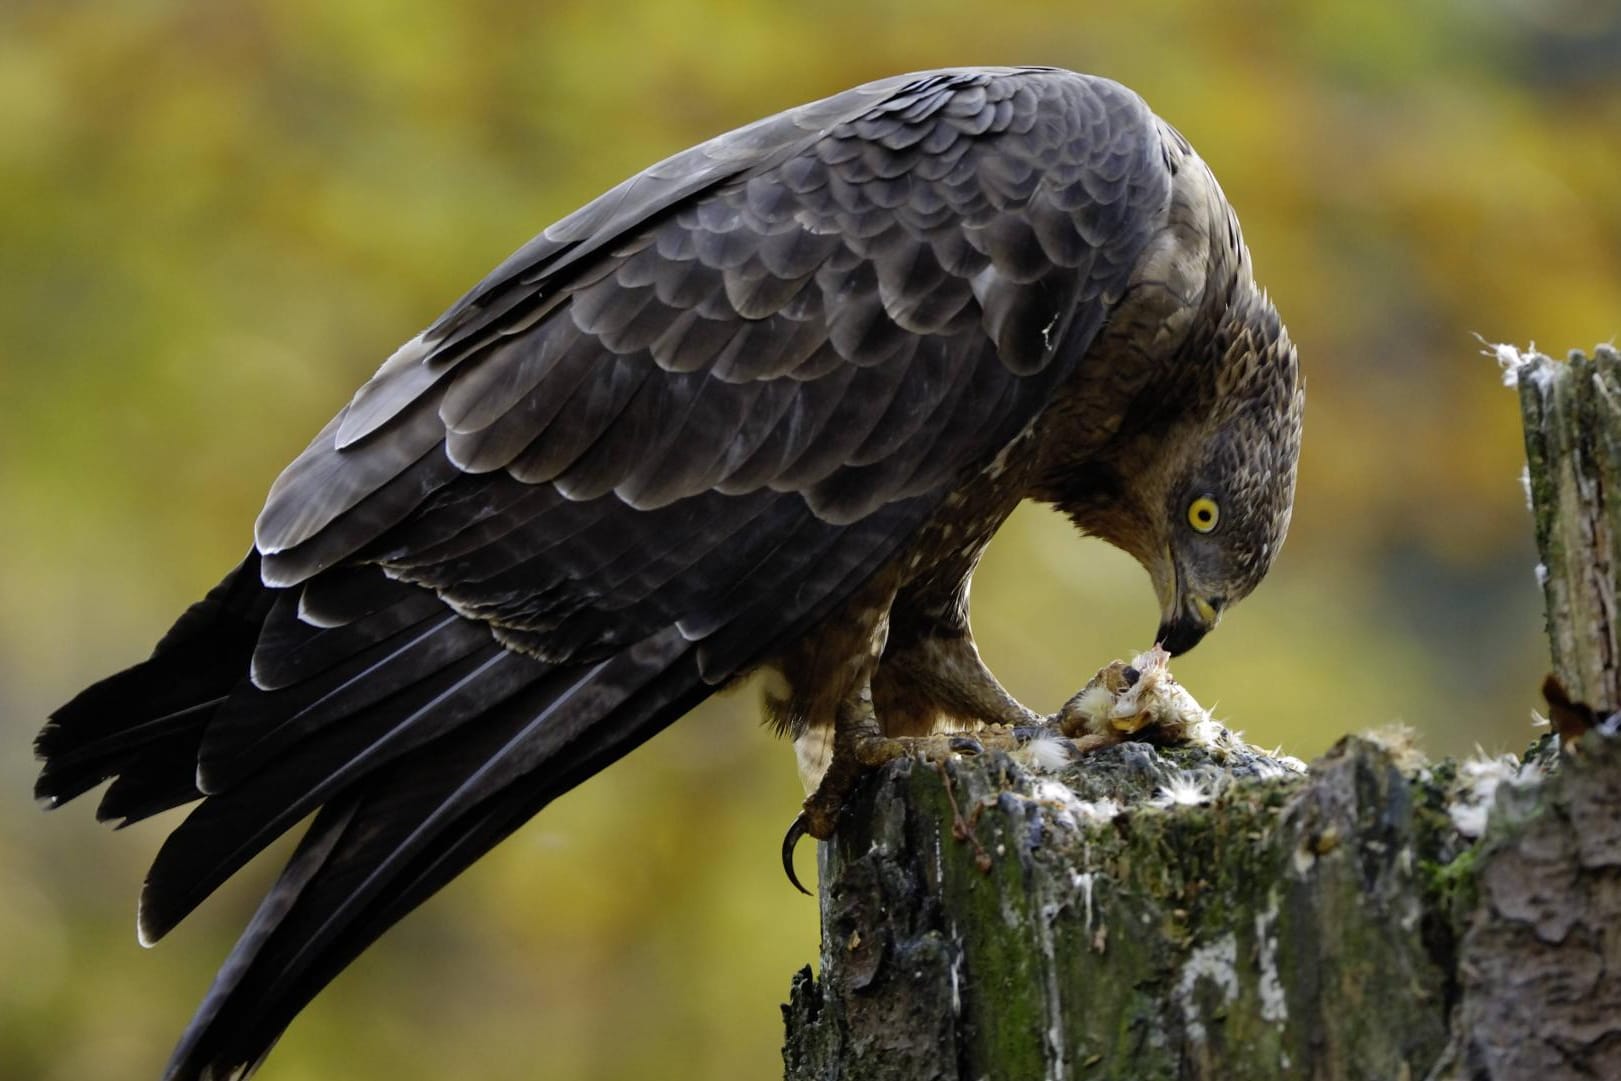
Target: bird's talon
{"points": [[790, 840], [966, 745]]}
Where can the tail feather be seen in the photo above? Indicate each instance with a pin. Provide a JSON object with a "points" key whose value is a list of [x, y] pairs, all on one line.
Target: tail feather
{"points": [[417, 741], [229, 829], [145, 724], [294, 649], [253, 727], [143, 789], [392, 840]]}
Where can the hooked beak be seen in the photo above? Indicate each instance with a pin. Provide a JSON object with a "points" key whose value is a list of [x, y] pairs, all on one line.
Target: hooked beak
{"points": [[1187, 628], [1186, 618]]}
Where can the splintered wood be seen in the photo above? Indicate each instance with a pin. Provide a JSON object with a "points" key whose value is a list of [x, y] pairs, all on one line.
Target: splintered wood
{"points": [[1572, 411]]}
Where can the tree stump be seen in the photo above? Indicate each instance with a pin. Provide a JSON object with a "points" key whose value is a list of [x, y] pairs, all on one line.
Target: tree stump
{"points": [[1572, 411], [1179, 913]]}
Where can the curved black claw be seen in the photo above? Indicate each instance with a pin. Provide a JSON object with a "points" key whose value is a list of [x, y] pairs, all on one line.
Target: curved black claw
{"points": [[789, 841], [967, 745]]}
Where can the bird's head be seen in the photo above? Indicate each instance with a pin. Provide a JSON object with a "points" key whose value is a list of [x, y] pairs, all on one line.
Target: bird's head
{"points": [[1227, 478], [1202, 489]]}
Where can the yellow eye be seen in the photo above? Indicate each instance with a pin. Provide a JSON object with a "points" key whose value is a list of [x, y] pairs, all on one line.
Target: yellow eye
{"points": [[1203, 514]]}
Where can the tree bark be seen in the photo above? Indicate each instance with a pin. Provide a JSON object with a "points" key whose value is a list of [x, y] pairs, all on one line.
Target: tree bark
{"points": [[1572, 411], [1333, 925], [1189, 913]]}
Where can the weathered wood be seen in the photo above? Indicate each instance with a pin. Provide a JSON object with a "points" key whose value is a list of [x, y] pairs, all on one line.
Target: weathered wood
{"points": [[1572, 411], [1331, 926], [1539, 963]]}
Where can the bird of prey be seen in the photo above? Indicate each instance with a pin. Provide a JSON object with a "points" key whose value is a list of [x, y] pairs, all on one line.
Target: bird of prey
{"points": [[761, 406]]}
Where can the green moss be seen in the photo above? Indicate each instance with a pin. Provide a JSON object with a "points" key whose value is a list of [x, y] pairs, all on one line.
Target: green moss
{"points": [[1002, 1011], [1453, 886], [1280, 927]]}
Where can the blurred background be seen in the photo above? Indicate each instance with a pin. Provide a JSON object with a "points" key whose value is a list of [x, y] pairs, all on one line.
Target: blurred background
{"points": [[218, 218]]}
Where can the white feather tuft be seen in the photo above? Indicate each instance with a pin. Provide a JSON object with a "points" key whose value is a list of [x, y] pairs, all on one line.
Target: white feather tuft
{"points": [[1072, 810], [1509, 359], [1043, 754], [1482, 775], [1183, 790]]}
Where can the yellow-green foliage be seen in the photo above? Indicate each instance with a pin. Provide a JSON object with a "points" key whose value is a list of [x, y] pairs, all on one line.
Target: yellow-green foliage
{"points": [[217, 218]]}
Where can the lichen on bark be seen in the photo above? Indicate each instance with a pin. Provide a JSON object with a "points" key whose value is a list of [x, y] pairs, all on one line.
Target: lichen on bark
{"points": [[1153, 913]]}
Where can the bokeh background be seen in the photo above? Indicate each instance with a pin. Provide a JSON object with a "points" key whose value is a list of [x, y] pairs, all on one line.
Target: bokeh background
{"points": [[217, 218]]}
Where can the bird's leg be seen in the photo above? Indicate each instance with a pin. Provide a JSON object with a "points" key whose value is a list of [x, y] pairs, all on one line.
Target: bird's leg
{"points": [[890, 693], [859, 745], [863, 741], [854, 727], [940, 677], [897, 712]]}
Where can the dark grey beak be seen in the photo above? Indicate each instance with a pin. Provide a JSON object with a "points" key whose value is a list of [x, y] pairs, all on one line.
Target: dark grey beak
{"points": [[1181, 634]]}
